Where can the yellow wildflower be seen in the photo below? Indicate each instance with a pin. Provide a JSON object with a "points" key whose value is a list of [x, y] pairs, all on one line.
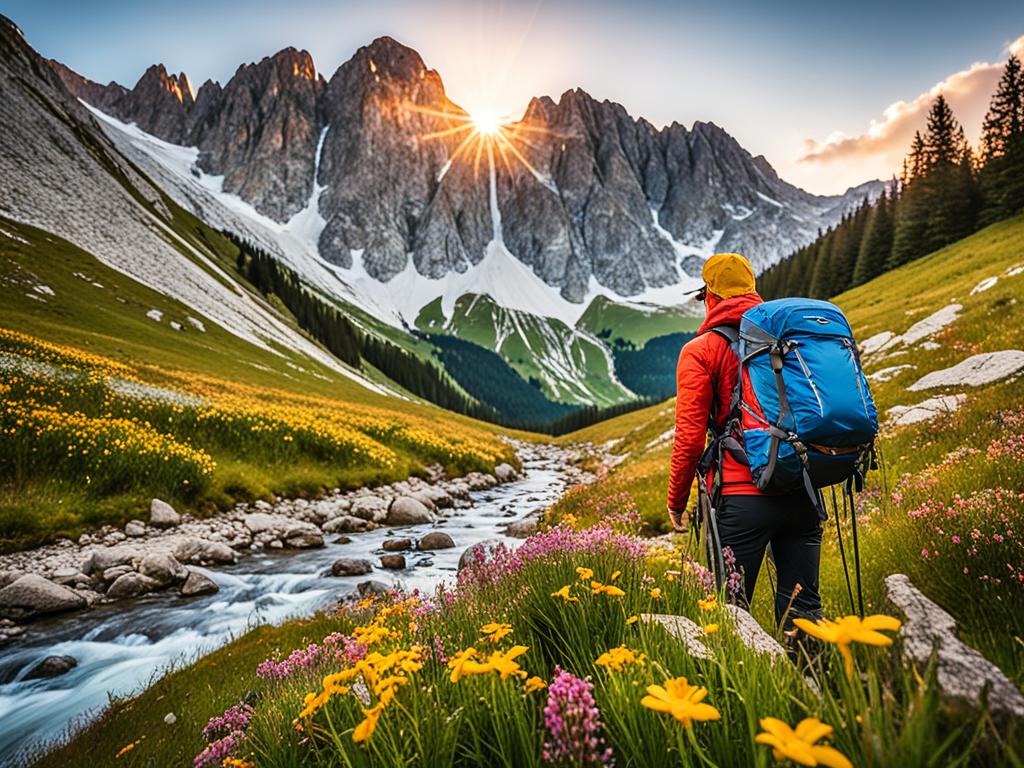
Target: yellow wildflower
{"points": [[851, 629], [564, 594], [466, 663], [503, 662], [656, 593], [129, 747], [633, 619], [234, 762], [585, 574], [608, 589], [365, 729], [710, 629], [709, 603], [799, 744], [681, 700], [619, 658], [615, 575], [534, 684], [495, 632]]}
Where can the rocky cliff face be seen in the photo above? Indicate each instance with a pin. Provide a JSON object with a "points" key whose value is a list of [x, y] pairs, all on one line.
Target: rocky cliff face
{"points": [[595, 196]]}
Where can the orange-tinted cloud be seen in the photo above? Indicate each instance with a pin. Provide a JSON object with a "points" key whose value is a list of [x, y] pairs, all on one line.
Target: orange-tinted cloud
{"points": [[885, 143]]}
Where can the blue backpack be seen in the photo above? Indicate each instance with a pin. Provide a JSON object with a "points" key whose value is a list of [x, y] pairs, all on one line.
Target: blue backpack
{"points": [[801, 413]]}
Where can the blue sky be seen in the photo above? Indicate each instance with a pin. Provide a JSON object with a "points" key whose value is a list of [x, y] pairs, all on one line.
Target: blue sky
{"points": [[800, 82]]}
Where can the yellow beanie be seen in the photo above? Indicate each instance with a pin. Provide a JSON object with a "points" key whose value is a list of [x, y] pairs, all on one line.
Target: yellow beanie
{"points": [[728, 274]]}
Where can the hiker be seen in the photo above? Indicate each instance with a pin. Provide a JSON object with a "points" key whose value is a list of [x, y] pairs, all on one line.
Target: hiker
{"points": [[748, 519]]}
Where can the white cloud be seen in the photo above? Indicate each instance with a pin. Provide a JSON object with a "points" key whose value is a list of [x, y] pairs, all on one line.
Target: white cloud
{"points": [[881, 148]]}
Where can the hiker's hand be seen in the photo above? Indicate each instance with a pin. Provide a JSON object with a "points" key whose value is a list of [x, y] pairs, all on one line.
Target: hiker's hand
{"points": [[677, 518]]}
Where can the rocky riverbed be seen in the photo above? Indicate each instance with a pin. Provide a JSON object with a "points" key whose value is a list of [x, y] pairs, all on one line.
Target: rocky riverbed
{"points": [[115, 564], [206, 581]]}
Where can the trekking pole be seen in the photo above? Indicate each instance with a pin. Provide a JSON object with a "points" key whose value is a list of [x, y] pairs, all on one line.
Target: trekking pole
{"points": [[856, 548], [839, 537]]}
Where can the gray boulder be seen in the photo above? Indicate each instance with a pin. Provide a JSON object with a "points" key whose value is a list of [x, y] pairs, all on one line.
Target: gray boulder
{"points": [[392, 562], [435, 540], [480, 552], [372, 587], [438, 495], [397, 545], [133, 529], [115, 572], [107, 557], [369, 507], [524, 527], [351, 566], [51, 666], [198, 584], [346, 524], [32, 595], [130, 585], [303, 536], [162, 568], [162, 514], [406, 510], [505, 472], [195, 550]]}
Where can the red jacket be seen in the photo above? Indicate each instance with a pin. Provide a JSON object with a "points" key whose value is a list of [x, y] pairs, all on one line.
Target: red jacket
{"points": [[707, 369]]}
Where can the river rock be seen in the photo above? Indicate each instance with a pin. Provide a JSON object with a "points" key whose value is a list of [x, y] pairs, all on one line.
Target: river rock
{"points": [[438, 495], [130, 585], [304, 536], [196, 550], [406, 510], [66, 575], [346, 524], [480, 552], [52, 666], [133, 529], [478, 481], [423, 498], [162, 514], [393, 562], [115, 572], [505, 472], [32, 595], [99, 560], [397, 545], [198, 584], [372, 587], [524, 527], [351, 566], [369, 507], [435, 540], [343, 540], [162, 568]]}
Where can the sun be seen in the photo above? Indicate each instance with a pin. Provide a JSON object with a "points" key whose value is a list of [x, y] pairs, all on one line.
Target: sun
{"points": [[486, 123]]}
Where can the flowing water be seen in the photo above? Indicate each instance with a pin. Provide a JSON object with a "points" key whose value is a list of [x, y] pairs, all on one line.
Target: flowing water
{"points": [[122, 647]]}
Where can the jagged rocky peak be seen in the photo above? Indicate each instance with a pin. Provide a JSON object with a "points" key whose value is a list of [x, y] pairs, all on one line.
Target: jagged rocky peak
{"points": [[261, 132], [382, 163], [104, 97]]}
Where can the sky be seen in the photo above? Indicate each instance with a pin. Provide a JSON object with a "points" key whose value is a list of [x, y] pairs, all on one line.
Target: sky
{"points": [[830, 93]]}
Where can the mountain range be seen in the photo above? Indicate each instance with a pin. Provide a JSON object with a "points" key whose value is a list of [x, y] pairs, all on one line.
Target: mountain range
{"points": [[575, 234]]}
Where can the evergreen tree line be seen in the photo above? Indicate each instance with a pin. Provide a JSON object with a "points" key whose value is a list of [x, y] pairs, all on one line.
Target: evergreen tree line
{"points": [[651, 370], [344, 340], [945, 192], [497, 393]]}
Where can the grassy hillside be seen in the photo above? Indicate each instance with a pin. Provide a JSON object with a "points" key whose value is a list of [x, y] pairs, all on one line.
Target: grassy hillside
{"points": [[568, 366], [232, 421], [974, 454], [633, 324]]}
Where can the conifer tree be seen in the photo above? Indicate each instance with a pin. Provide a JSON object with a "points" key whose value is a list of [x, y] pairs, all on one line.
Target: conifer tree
{"points": [[876, 245], [1002, 147]]}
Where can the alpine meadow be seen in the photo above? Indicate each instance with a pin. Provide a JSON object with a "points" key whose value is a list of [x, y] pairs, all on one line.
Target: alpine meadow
{"points": [[354, 417]]}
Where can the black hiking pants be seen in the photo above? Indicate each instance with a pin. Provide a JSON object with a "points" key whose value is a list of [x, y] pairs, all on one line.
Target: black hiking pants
{"points": [[790, 524]]}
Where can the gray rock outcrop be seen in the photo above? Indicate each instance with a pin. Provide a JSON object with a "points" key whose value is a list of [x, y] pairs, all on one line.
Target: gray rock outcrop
{"points": [[406, 510], [162, 514], [965, 677], [32, 595]]}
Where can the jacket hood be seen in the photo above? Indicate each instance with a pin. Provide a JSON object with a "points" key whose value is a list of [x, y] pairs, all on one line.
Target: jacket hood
{"points": [[727, 311]]}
